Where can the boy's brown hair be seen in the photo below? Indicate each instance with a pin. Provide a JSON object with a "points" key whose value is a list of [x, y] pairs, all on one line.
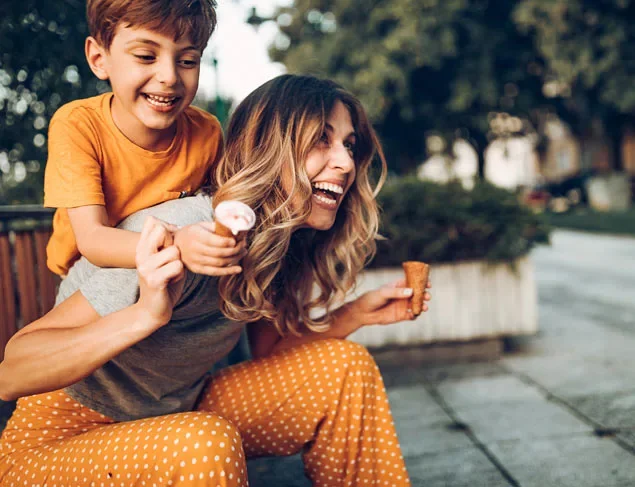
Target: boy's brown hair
{"points": [[176, 18]]}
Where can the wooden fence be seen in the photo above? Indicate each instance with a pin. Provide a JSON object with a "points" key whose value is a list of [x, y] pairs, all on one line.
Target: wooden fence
{"points": [[27, 287]]}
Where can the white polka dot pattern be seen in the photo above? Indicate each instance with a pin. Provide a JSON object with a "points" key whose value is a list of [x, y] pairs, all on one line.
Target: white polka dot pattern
{"points": [[326, 398]]}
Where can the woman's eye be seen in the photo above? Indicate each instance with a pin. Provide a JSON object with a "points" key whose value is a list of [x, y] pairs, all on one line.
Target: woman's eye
{"points": [[350, 146]]}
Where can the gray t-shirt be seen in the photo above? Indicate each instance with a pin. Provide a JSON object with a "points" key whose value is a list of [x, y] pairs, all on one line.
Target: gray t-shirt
{"points": [[165, 372]]}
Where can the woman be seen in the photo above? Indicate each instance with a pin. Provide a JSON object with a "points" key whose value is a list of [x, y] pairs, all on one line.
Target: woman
{"points": [[116, 382]]}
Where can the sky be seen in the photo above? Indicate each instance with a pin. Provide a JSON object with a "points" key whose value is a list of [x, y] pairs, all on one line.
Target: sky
{"points": [[241, 50]]}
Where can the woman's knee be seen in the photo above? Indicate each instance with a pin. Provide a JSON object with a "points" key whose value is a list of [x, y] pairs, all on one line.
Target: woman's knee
{"points": [[348, 351], [344, 357], [196, 429], [202, 438]]}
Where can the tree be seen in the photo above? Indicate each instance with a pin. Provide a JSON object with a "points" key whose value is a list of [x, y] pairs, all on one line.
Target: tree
{"points": [[42, 66], [588, 49], [419, 66]]}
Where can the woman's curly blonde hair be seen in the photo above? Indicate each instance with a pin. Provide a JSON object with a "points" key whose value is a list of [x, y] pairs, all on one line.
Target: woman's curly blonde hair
{"points": [[270, 134]]}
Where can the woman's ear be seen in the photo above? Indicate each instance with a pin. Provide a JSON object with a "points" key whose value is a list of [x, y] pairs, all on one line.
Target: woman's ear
{"points": [[96, 57]]}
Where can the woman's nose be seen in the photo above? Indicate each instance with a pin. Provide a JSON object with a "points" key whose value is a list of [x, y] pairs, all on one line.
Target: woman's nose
{"points": [[342, 158]]}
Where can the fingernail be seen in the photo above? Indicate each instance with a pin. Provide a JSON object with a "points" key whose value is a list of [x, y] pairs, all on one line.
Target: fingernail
{"points": [[407, 291]]}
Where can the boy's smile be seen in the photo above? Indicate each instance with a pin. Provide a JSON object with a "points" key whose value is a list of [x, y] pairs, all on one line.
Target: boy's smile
{"points": [[153, 78]]}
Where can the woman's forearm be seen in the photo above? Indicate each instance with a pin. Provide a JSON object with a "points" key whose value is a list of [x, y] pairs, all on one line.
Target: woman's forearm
{"points": [[51, 358]]}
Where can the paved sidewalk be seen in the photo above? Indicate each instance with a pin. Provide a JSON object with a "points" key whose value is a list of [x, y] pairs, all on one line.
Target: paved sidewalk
{"points": [[558, 410]]}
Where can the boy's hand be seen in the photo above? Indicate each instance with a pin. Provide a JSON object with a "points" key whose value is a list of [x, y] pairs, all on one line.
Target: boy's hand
{"points": [[204, 252]]}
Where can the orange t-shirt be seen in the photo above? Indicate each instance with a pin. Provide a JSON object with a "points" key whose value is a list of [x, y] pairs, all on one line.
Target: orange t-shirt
{"points": [[90, 162]]}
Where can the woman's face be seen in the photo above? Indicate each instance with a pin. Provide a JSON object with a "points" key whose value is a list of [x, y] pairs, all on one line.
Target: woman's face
{"points": [[331, 168]]}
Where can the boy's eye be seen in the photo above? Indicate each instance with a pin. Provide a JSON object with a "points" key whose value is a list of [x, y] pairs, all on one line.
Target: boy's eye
{"points": [[144, 57], [188, 63]]}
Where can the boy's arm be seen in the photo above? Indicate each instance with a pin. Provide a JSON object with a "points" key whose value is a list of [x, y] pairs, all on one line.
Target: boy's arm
{"points": [[100, 243]]}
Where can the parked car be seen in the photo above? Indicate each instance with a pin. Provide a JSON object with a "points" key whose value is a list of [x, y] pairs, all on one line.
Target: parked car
{"points": [[560, 196]]}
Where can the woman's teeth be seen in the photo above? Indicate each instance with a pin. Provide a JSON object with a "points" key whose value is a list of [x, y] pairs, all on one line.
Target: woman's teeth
{"points": [[324, 199], [333, 188]]}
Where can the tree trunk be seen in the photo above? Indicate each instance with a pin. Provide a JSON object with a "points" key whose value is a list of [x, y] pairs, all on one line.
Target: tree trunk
{"points": [[616, 140], [479, 142]]}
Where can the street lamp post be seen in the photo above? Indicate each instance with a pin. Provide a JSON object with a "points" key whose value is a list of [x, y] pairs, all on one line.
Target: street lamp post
{"points": [[256, 20]]}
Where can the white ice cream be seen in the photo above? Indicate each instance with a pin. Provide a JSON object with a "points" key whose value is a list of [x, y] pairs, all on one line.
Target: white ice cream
{"points": [[236, 216]]}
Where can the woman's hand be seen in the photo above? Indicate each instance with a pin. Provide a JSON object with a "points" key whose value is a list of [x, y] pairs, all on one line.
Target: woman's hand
{"points": [[160, 272], [386, 305]]}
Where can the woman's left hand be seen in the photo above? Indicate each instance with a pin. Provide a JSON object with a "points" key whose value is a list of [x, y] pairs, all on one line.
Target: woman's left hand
{"points": [[388, 304]]}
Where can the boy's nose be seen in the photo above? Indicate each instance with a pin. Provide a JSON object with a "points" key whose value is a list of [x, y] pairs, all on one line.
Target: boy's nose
{"points": [[167, 73]]}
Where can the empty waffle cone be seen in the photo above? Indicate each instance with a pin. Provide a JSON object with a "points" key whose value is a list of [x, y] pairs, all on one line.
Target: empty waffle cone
{"points": [[416, 278]]}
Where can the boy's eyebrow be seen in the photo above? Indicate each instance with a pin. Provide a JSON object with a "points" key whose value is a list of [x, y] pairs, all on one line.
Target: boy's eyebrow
{"points": [[141, 40]]}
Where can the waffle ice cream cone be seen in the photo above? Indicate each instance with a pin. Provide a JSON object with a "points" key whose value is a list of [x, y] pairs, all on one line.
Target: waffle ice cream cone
{"points": [[416, 278], [224, 231], [233, 219]]}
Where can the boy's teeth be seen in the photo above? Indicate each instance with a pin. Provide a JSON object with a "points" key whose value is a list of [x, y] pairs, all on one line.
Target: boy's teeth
{"points": [[163, 100], [333, 188]]}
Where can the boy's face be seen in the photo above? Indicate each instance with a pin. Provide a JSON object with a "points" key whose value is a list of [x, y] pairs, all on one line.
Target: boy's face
{"points": [[153, 79]]}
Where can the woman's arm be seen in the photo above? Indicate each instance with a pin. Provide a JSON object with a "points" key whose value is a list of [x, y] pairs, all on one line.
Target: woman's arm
{"points": [[72, 340], [66, 345], [386, 305]]}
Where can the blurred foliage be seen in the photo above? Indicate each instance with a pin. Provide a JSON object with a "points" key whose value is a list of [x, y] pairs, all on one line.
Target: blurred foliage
{"points": [[419, 66], [218, 106], [447, 223], [588, 44], [447, 67], [42, 66], [589, 50]]}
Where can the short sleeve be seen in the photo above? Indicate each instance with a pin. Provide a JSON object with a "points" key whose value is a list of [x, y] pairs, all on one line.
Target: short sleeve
{"points": [[73, 173], [111, 290]]}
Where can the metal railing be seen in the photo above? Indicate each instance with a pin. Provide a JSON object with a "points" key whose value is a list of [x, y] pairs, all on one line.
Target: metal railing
{"points": [[27, 287]]}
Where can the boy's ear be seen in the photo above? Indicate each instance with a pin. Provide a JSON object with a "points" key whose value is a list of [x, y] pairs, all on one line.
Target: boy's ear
{"points": [[95, 55]]}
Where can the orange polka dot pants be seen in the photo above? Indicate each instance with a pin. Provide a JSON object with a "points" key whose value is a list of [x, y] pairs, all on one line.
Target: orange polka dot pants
{"points": [[326, 399]]}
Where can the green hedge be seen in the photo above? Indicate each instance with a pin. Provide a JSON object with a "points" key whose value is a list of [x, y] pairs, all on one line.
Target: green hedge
{"points": [[445, 223]]}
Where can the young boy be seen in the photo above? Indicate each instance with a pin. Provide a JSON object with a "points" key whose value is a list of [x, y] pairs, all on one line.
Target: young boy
{"points": [[139, 145]]}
